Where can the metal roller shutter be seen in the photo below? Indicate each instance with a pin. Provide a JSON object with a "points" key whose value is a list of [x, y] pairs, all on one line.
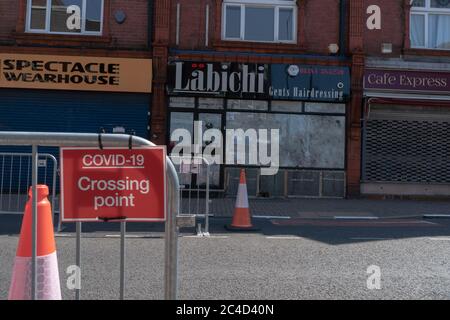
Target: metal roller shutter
{"points": [[407, 145], [65, 111]]}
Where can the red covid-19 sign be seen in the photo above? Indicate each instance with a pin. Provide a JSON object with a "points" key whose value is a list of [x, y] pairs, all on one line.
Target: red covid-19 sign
{"points": [[113, 184]]}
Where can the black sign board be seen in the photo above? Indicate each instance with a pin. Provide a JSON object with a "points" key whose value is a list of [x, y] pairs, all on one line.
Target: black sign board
{"points": [[231, 80], [259, 81]]}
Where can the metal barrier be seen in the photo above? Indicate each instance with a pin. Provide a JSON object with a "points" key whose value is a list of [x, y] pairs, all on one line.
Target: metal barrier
{"points": [[35, 139], [289, 183], [15, 179], [194, 176]]}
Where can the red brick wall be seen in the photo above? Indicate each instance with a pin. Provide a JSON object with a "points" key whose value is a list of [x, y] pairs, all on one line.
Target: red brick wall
{"points": [[8, 17], [321, 25], [192, 22], [392, 27], [318, 24], [132, 34]]}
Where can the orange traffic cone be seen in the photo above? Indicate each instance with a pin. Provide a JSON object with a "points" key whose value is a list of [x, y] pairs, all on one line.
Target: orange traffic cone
{"points": [[242, 220], [47, 286]]}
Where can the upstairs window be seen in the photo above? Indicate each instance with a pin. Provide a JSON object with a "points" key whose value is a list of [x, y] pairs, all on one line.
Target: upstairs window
{"points": [[430, 24], [58, 17], [260, 20]]}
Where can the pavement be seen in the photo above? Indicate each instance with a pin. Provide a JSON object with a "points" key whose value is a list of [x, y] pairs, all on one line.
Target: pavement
{"points": [[329, 208], [319, 249]]}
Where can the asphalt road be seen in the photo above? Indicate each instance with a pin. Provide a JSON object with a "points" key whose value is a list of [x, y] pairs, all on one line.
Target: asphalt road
{"points": [[285, 259]]}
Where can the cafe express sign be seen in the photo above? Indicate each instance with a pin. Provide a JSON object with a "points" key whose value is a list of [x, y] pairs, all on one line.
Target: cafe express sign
{"points": [[259, 81], [428, 82], [75, 73]]}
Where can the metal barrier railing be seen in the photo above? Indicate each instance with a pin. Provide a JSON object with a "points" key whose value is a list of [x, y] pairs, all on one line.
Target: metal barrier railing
{"points": [[194, 177], [289, 183], [173, 220], [15, 179]]}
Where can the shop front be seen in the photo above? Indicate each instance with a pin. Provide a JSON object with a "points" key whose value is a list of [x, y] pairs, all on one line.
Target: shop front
{"points": [[306, 103], [40, 93], [406, 131], [74, 94]]}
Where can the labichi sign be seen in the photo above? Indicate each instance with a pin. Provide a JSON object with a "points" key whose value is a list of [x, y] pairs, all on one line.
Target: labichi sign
{"points": [[259, 81], [113, 184], [75, 73], [216, 79]]}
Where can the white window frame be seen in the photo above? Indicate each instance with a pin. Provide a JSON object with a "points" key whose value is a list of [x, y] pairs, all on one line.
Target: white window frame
{"points": [[276, 4], [425, 12], [48, 13]]}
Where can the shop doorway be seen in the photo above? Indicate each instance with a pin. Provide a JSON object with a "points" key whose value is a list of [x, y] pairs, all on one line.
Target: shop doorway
{"points": [[405, 150], [210, 120], [312, 143]]}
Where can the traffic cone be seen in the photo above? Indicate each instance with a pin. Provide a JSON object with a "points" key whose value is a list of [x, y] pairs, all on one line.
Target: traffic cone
{"points": [[47, 286], [242, 220]]}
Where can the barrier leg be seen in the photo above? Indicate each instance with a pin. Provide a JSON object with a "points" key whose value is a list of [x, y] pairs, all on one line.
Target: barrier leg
{"points": [[34, 175], [123, 226], [78, 257]]}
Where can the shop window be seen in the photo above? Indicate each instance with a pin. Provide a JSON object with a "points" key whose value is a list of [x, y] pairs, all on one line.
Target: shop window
{"points": [[181, 120], [210, 103], [260, 20], [182, 102], [325, 107], [259, 105], [306, 141], [287, 106], [60, 16], [430, 24]]}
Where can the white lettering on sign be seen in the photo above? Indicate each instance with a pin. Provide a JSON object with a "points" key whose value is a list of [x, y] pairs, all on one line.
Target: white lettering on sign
{"points": [[86, 184], [112, 161], [212, 78], [114, 201], [113, 183]]}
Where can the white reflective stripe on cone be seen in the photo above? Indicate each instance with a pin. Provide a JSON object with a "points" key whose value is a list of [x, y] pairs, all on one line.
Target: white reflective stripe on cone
{"points": [[242, 199], [48, 285]]}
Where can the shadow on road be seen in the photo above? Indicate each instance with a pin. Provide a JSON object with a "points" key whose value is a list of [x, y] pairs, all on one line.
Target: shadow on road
{"points": [[349, 231], [330, 231]]}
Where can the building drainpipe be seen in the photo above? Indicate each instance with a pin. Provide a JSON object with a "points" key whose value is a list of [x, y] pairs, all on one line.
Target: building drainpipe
{"points": [[342, 28], [150, 23]]}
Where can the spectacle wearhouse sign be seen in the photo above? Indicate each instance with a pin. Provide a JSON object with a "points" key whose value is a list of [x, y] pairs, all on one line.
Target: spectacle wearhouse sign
{"points": [[75, 73], [259, 81]]}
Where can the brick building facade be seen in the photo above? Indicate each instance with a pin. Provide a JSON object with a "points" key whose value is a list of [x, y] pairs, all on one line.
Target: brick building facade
{"points": [[197, 35], [321, 49], [406, 93], [95, 76], [396, 128], [131, 35]]}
